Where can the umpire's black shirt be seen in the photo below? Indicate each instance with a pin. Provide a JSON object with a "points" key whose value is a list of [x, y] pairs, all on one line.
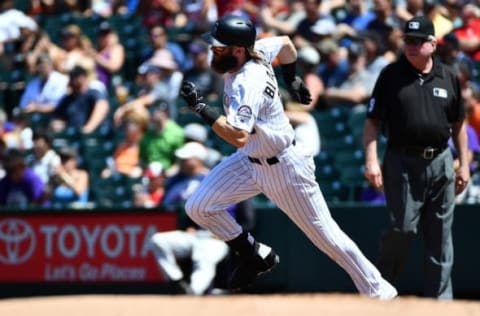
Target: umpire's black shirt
{"points": [[417, 109]]}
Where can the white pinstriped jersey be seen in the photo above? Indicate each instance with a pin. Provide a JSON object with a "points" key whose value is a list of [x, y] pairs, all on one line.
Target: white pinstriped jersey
{"points": [[252, 103]]}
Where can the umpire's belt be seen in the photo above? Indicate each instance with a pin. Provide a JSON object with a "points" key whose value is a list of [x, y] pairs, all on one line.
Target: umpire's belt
{"points": [[271, 161], [427, 153]]}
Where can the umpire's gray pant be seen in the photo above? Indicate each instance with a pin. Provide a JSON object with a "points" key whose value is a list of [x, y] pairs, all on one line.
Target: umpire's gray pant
{"points": [[420, 194]]}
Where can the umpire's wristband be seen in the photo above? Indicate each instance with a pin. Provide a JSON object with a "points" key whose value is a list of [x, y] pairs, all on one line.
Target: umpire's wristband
{"points": [[209, 114], [288, 72]]}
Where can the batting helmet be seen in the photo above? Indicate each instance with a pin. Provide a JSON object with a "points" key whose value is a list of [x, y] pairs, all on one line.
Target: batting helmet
{"points": [[231, 30]]}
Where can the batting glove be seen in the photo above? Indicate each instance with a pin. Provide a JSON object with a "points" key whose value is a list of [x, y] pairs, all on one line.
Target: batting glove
{"points": [[299, 91], [191, 95]]}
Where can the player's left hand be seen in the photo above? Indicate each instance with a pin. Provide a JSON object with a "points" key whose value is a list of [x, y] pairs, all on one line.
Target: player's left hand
{"points": [[299, 91], [190, 94]]}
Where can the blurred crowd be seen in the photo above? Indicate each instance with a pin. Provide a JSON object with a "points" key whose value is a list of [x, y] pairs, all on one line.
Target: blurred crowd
{"points": [[89, 107]]}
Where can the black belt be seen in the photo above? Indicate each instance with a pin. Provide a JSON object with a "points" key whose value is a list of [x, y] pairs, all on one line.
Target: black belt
{"points": [[427, 153], [271, 161]]}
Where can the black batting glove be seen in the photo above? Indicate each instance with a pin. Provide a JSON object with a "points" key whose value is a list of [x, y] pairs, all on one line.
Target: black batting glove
{"points": [[298, 91], [191, 95]]}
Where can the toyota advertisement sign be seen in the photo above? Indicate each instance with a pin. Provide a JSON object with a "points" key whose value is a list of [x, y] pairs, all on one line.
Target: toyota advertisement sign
{"points": [[80, 247]]}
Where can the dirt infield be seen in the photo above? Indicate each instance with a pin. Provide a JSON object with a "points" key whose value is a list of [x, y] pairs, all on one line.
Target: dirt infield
{"points": [[233, 305]]}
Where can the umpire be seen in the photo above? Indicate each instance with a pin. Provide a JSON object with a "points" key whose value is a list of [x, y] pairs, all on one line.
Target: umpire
{"points": [[417, 103]]}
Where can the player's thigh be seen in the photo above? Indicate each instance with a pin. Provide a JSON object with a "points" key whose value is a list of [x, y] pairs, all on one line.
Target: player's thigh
{"points": [[230, 182]]}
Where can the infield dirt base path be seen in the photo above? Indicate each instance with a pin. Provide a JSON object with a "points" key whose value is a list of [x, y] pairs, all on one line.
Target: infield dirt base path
{"points": [[233, 305]]}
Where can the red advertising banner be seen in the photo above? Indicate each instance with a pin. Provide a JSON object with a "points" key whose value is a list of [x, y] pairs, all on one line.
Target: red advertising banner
{"points": [[80, 247]]}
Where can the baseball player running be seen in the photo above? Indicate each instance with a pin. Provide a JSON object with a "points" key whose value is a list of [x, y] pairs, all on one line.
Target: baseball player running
{"points": [[267, 160]]}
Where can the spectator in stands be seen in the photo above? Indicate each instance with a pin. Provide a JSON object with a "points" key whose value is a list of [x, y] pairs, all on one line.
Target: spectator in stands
{"points": [[433, 10], [43, 92], [126, 158], [304, 34], [152, 191], [195, 132], [208, 82], [357, 17], [3, 149], [20, 132], [163, 137], [158, 12], [192, 171], [70, 184], [334, 67], [308, 61], [160, 43], [359, 84], [472, 106], [14, 24], [44, 161], [109, 55], [452, 9], [107, 8], [408, 9], [3, 125], [83, 108], [386, 20], [74, 50], [161, 82], [449, 51], [196, 16], [20, 187], [170, 79], [469, 33], [280, 18], [375, 53]]}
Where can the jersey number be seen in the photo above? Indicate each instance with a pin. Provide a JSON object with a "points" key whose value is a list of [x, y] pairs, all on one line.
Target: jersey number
{"points": [[270, 90]]}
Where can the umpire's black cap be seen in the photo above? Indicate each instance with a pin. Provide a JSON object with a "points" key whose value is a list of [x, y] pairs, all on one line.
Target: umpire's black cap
{"points": [[232, 30], [419, 26]]}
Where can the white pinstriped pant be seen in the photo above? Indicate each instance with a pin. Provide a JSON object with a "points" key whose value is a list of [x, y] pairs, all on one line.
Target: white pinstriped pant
{"points": [[291, 185]]}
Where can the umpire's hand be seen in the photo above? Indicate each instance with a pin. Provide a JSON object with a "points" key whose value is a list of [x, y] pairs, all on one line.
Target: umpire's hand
{"points": [[373, 173], [298, 91]]}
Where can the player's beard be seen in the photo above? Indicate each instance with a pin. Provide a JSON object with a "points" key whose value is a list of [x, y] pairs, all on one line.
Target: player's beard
{"points": [[222, 64]]}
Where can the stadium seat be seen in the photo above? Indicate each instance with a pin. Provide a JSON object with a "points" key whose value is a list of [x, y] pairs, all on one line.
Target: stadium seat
{"points": [[326, 172], [356, 122], [333, 191], [66, 138], [338, 143], [112, 192]]}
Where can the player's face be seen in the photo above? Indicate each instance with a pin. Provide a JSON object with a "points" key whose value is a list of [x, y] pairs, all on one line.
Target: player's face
{"points": [[223, 59]]}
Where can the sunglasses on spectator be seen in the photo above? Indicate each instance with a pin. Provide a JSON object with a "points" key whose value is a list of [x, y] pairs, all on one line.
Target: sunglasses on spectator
{"points": [[415, 41]]}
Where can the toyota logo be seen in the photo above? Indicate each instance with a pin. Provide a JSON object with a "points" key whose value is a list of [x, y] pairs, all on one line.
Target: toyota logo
{"points": [[17, 241]]}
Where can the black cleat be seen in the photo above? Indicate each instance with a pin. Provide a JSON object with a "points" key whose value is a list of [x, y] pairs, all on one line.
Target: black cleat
{"points": [[263, 260]]}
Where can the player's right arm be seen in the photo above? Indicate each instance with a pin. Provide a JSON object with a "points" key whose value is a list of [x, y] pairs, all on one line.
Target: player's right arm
{"points": [[235, 136]]}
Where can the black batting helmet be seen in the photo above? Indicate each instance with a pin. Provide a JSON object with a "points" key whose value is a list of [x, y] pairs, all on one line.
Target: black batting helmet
{"points": [[231, 30]]}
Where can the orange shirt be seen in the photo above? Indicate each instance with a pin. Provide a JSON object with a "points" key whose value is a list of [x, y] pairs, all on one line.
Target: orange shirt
{"points": [[126, 157]]}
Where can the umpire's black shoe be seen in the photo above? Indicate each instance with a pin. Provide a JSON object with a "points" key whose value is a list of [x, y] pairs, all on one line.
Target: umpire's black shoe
{"points": [[263, 260]]}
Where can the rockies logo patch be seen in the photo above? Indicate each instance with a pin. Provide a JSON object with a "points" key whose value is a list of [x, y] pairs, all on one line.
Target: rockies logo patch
{"points": [[244, 113]]}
